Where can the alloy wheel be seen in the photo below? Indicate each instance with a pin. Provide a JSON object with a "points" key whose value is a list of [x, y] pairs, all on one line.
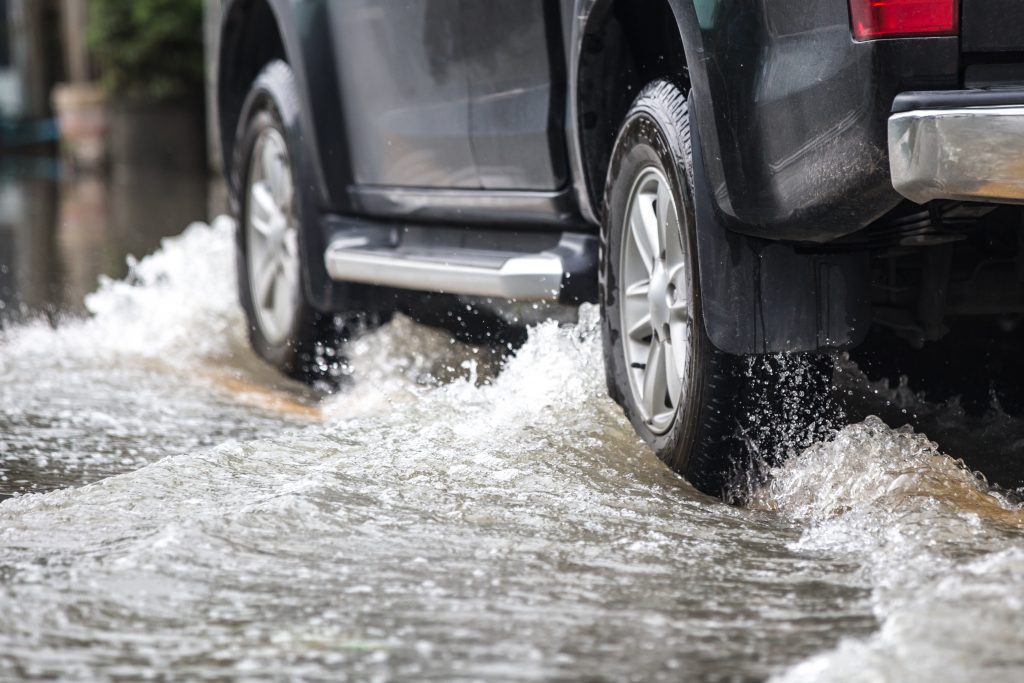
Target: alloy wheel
{"points": [[655, 290], [272, 237]]}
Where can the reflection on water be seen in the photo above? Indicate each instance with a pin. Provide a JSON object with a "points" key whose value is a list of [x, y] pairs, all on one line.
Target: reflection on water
{"points": [[28, 261], [417, 529], [58, 235]]}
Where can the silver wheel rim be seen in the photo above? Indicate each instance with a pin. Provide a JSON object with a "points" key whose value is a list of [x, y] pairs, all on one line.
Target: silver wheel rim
{"points": [[272, 237], [654, 295]]}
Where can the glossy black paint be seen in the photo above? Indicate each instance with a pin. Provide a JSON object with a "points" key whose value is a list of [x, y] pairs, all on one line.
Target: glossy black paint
{"points": [[469, 206], [956, 99], [405, 91], [992, 26], [793, 111], [767, 296], [517, 77], [451, 93], [473, 95], [253, 32]]}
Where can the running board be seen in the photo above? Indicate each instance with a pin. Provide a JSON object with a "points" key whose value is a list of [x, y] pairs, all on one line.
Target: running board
{"points": [[564, 272]]}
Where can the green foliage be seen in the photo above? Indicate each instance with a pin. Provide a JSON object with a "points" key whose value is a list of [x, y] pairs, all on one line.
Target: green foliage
{"points": [[148, 49]]}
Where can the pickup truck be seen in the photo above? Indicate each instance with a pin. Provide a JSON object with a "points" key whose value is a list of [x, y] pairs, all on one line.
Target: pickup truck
{"points": [[729, 179]]}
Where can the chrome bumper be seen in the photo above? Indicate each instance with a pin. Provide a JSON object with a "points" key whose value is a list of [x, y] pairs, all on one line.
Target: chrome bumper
{"points": [[972, 154]]}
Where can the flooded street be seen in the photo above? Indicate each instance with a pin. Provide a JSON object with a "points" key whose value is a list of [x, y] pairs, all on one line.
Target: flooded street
{"points": [[169, 505]]}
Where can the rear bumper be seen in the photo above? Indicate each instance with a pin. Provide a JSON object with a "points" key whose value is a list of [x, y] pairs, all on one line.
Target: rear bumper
{"points": [[966, 145]]}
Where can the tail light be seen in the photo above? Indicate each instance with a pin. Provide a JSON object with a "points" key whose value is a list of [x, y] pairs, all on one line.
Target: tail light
{"points": [[873, 19]]}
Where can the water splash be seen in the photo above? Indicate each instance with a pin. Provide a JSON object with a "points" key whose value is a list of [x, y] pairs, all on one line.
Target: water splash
{"points": [[441, 520], [941, 551], [177, 304], [784, 404], [156, 368]]}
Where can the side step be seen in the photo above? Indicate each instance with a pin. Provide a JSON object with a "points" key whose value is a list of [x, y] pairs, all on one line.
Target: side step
{"points": [[564, 271]]}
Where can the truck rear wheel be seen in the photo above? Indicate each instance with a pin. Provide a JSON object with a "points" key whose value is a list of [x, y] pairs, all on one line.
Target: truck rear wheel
{"points": [[699, 408]]}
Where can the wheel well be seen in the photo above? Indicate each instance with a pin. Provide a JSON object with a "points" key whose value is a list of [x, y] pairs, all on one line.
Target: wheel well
{"points": [[626, 45], [250, 39]]}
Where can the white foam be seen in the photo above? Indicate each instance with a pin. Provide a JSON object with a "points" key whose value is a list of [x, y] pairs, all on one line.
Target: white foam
{"points": [[178, 303], [415, 486], [941, 554]]}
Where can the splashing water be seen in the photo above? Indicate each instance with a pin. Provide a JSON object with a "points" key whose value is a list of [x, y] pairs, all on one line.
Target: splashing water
{"points": [[145, 376], [173, 306], [943, 556], [462, 528]]}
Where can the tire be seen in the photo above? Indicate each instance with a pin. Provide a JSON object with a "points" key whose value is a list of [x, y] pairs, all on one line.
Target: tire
{"points": [[710, 423], [284, 328]]}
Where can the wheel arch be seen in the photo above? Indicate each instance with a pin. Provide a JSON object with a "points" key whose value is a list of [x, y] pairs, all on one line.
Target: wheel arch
{"points": [[254, 33], [619, 47], [249, 38], [737, 274]]}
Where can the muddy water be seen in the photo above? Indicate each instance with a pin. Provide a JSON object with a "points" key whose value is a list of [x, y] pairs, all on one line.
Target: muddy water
{"points": [[173, 509]]}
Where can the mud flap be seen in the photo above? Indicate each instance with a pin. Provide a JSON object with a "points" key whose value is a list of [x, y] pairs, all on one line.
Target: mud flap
{"points": [[761, 296]]}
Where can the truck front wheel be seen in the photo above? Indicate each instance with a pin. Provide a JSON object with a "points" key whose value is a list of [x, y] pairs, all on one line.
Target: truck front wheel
{"points": [[273, 222]]}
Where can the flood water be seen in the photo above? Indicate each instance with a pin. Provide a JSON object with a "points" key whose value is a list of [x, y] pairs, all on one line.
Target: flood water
{"points": [[173, 509]]}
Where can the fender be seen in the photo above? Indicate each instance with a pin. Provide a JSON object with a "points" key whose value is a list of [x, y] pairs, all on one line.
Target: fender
{"points": [[578, 14], [325, 149], [761, 296], [793, 112]]}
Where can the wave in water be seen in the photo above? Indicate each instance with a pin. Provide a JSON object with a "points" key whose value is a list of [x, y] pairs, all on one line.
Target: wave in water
{"points": [[437, 521], [942, 553]]}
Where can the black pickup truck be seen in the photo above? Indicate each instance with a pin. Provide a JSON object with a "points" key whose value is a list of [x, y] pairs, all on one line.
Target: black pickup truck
{"points": [[727, 178]]}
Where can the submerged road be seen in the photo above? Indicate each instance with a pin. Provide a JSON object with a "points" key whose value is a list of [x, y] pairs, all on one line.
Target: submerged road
{"points": [[173, 509]]}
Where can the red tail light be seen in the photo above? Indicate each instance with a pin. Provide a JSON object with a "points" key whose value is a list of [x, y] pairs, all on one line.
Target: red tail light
{"points": [[899, 18]]}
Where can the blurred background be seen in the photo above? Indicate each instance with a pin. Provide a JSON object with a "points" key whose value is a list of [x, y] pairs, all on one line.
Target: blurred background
{"points": [[104, 147]]}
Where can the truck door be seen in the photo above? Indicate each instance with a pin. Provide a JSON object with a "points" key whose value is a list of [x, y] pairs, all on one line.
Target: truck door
{"points": [[515, 63], [405, 92]]}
